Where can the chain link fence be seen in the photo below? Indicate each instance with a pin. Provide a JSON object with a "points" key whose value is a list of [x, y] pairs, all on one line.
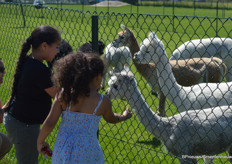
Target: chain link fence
{"points": [[127, 142]]}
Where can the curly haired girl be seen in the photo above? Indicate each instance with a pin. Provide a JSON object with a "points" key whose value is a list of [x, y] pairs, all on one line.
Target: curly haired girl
{"points": [[79, 75]]}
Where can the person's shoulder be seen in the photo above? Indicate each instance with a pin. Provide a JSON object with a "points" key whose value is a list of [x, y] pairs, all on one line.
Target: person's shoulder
{"points": [[39, 66], [36, 64], [37, 70], [106, 101]]}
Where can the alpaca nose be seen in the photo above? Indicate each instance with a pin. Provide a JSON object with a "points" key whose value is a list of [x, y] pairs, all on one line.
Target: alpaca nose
{"points": [[136, 58], [115, 44]]}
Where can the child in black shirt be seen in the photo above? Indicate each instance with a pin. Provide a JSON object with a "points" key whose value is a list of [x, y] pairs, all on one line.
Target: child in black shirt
{"points": [[32, 90]]}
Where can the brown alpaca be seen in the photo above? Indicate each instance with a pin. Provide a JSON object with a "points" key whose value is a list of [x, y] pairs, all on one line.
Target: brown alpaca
{"points": [[187, 72]]}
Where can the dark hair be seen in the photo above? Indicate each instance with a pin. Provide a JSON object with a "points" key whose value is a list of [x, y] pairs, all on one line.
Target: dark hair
{"points": [[74, 73], [87, 47], [64, 49], [40, 34]]}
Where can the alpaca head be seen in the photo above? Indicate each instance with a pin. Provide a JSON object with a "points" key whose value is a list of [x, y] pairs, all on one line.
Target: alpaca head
{"points": [[123, 37], [151, 49], [120, 84], [87, 47]]}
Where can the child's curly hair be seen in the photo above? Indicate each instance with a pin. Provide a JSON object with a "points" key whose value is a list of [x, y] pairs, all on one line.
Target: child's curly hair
{"points": [[74, 73]]}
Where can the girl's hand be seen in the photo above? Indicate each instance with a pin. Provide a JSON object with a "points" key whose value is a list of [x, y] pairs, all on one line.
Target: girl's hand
{"points": [[127, 113], [44, 149]]}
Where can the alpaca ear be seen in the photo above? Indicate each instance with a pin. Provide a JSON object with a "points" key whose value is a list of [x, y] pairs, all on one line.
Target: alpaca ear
{"points": [[111, 73], [128, 72], [133, 80], [126, 68], [152, 35], [115, 74], [123, 26]]}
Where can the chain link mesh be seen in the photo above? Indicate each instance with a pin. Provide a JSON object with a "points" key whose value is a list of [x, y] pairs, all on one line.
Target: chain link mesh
{"points": [[126, 142]]}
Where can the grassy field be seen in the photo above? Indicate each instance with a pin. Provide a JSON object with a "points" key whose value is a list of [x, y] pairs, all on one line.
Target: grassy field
{"points": [[190, 4], [125, 142], [152, 9]]}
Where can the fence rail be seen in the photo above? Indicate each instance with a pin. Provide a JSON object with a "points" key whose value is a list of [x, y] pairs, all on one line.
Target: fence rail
{"points": [[127, 142]]}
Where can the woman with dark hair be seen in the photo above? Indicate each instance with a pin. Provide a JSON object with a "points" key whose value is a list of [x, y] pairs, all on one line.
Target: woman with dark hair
{"points": [[32, 90], [5, 144], [79, 76]]}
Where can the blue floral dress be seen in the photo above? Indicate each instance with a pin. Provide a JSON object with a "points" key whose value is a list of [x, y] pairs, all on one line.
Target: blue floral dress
{"points": [[76, 140]]}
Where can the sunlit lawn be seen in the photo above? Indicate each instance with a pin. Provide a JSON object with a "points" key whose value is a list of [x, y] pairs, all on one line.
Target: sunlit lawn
{"points": [[125, 142]]}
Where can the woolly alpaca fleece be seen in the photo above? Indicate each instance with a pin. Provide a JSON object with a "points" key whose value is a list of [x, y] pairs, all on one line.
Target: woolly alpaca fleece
{"points": [[208, 47], [115, 59], [187, 72], [200, 96], [193, 132]]}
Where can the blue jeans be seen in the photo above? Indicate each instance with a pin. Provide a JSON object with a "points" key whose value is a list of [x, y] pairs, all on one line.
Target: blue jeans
{"points": [[24, 137]]}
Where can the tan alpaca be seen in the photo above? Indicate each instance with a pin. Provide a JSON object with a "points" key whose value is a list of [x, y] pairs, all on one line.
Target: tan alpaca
{"points": [[199, 96], [187, 72]]}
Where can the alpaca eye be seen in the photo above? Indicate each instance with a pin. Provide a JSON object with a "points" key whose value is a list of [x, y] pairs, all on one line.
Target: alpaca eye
{"points": [[115, 86]]}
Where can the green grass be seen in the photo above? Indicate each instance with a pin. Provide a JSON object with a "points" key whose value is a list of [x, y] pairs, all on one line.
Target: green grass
{"points": [[126, 142], [151, 9], [190, 4]]}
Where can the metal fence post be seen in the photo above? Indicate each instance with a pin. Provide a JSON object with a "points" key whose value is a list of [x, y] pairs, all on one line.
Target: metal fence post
{"points": [[95, 41], [24, 21], [173, 13], [217, 20], [95, 33]]}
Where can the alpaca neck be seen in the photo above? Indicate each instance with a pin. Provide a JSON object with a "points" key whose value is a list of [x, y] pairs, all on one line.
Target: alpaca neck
{"points": [[168, 84], [158, 126], [133, 46], [143, 69]]}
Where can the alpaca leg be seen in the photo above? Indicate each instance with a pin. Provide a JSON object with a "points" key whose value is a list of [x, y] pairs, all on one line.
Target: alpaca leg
{"points": [[230, 154], [161, 110], [206, 75], [208, 160]]}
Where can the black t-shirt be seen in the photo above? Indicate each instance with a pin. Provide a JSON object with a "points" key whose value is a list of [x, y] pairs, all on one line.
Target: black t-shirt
{"points": [[32, 104]]}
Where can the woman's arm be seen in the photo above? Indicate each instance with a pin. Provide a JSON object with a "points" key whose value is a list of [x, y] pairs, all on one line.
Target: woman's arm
{"points": [[6, 105], [49, 124], [111, 117]]}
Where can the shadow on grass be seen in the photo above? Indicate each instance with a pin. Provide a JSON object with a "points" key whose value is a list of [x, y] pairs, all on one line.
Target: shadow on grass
{"points": [[154, 142]]}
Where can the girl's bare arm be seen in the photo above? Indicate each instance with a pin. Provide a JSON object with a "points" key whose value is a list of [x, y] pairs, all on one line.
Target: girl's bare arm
{"points": [[111, 117], [49, 123]]}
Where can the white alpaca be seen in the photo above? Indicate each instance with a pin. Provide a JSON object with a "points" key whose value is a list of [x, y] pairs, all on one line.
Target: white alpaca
{"points": [[217, 47], [115, 59], [192, 133], [198, 96], [187, 72]]}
